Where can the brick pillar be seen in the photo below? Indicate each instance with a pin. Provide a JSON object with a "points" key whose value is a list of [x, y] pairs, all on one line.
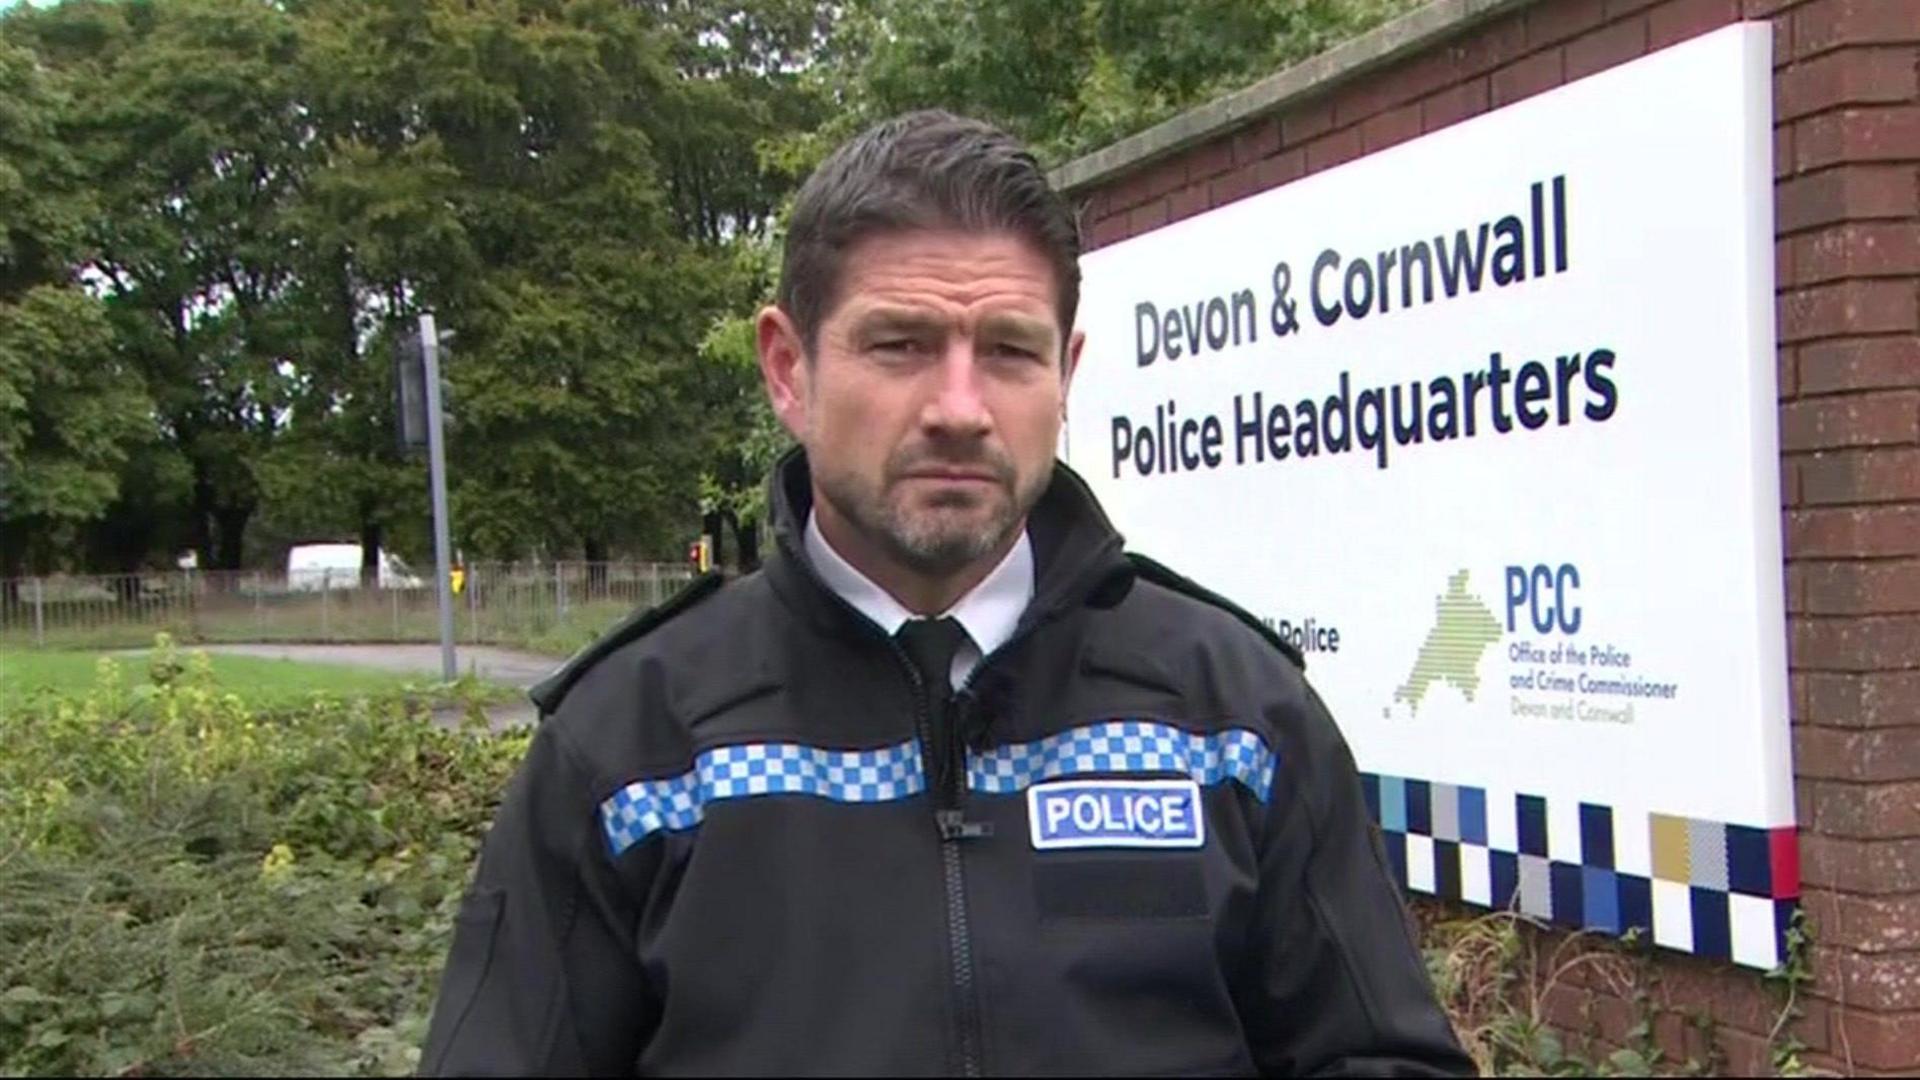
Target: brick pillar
{"points": [[1847, 148]]}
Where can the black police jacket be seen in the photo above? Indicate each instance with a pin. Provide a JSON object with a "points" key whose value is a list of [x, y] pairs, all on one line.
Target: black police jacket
{"points": [[721, 854]]}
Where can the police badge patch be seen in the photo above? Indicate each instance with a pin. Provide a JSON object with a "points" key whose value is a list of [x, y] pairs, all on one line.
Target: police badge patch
{"points": [[1116, 814]]}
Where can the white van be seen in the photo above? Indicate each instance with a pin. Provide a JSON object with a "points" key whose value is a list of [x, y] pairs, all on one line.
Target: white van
{"points": [[312, 567]]}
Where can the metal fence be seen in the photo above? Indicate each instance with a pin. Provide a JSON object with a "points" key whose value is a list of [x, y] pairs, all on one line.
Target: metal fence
{"points": [[559, 605]]}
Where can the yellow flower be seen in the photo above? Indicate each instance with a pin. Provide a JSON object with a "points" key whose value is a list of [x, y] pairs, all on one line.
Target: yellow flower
{"points": [[277, 866]]}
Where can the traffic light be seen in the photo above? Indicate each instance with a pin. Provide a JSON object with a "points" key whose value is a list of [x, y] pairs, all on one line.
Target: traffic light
{"points": [[700, 554], [409, 392], [410, 389]]}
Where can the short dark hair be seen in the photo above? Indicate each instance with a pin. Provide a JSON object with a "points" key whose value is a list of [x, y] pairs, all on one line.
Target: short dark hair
{"points": [[921, 170]]}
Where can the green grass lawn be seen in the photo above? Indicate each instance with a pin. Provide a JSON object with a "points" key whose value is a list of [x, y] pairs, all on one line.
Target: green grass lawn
{"points": [[25, 673]]}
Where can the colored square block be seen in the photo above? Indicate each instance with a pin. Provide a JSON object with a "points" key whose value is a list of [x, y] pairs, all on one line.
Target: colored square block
{"points": [[1446, 869], [1784, 856], [1420, 807], [1393, 804], [1473, 815], [1370, 791], [1476, 875], [1783, 921], [1673, 914], [1755, 940], [1712, 927], [1707, 854], [1503, 875], [1596, 836], [1395, 844], [1446, 812], [1536, 890], [1600, 899], [1569, 905], [1748, 857], [1530, 812], [1503, 824], [1563, 830], [1419, 862], [1632, 841], [1636, 905], [1672, 858]]}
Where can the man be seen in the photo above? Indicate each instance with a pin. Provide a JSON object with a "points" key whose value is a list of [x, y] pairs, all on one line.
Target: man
{"points": [[953, 785]]}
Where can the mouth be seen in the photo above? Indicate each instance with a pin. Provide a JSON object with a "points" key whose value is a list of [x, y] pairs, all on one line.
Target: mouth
{"points": [[954, 476]]}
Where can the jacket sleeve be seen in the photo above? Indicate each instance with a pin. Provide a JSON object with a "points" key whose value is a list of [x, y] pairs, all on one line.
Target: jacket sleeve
{"points": [[1337, 986], [542, 978]]}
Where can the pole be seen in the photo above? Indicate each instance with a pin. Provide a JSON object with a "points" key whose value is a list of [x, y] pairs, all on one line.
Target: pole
{"points": [[39, 613], [437, 474]]}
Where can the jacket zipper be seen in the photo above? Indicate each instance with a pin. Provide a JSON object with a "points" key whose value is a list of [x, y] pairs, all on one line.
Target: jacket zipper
{"points": [[949, 818], [944, 784]]}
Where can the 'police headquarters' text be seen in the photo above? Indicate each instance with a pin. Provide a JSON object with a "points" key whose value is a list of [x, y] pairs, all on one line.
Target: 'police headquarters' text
{"points": [[1500, 395]]}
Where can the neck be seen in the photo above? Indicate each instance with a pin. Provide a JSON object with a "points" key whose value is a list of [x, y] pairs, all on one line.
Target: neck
{"points": [[917, 591]]}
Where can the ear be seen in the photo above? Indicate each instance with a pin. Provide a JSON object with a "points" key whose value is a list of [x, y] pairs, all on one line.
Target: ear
{"points": [[783, 367], [1070, 363]]}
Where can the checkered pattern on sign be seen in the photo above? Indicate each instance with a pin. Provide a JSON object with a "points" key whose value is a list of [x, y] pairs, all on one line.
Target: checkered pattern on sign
{"points": [[677, 803], [1705, 887], [1126, 746]]}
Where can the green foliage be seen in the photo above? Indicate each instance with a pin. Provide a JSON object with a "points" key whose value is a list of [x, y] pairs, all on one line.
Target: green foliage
{"points": [[737, 483], [1794, 973], [196, 885], [1495, 973], [219, 213], [1068, 77], [70, 410]]}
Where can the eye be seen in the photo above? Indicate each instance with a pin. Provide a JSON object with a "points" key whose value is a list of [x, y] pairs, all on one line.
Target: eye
{"points": [[1007, 350]]}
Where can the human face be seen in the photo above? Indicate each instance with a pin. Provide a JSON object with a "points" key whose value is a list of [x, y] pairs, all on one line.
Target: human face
{"points": [[931, 405]]}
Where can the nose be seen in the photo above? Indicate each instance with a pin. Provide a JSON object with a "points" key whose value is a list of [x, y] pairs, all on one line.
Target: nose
{"points": [[958, 408]]}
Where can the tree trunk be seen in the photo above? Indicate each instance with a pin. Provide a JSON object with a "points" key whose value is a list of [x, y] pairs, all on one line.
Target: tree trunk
{"points": [[595, 549], [201, 534], [12, 559], [370, 537], [230, 529], [748, 533], [714, 524]]}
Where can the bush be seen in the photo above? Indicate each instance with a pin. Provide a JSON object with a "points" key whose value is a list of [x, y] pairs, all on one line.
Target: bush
{"points": [[198, 886]]}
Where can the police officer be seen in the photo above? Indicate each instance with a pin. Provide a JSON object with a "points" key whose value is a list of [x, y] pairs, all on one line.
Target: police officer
{"points": [[953, 785]]}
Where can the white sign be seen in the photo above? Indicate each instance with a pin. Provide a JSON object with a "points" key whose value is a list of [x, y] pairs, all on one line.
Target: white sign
{"points": [[1485, 424]]}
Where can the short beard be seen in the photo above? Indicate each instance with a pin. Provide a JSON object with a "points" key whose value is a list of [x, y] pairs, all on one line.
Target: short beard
{"points": [[930, 543]]}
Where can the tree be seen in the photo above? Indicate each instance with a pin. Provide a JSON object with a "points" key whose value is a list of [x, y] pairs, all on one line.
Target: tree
{"points": [[183, 118], [1067, 77], [70, 410]]}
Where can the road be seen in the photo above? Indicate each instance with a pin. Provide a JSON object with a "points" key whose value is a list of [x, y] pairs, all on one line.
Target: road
{"points": [[507, 667]]}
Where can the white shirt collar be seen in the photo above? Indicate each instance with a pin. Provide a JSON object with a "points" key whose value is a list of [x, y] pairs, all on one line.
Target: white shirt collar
{"points": [[988, 612]]}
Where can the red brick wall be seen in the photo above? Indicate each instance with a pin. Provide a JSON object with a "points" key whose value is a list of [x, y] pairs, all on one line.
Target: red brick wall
{"points": [[1847, 208]]}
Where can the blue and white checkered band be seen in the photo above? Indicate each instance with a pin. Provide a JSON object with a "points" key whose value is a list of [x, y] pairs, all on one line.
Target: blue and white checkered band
{"points": [[677, 803], [1126, 746]]}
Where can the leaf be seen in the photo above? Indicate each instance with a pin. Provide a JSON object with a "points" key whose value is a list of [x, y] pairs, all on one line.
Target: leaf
{"points": [[1629, 1063]]}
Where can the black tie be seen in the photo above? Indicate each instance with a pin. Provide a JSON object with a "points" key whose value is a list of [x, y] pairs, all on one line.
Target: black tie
{"points": [[931, 645]]}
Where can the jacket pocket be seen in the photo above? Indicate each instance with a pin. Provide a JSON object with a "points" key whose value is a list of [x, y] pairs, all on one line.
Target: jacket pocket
{"points": [[475, 929], [1155, 886]]}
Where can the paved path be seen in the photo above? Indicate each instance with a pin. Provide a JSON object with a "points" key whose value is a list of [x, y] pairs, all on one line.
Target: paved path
{"points": [[505, 666]]}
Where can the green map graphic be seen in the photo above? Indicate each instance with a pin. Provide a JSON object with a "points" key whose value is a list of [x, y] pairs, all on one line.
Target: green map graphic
{"points": [[1462, 630]]}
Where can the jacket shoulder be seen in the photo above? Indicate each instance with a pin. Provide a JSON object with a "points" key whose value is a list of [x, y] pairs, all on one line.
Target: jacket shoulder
{"points": [[1154, 573], [551, 691]]}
